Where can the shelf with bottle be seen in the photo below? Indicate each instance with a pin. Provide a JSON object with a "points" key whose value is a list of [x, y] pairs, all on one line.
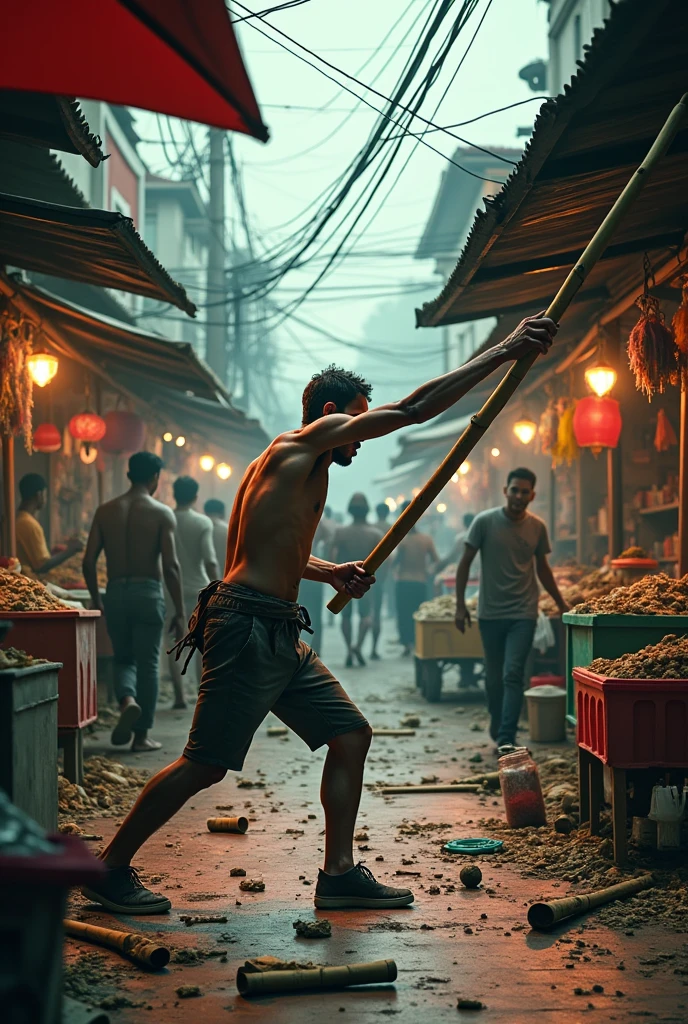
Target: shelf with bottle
{"points": [[657, 499]]}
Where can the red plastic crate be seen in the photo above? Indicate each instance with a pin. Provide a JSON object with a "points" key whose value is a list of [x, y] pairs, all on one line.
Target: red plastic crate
{"points": [[548, 679], [632, 723], [67, 635]]}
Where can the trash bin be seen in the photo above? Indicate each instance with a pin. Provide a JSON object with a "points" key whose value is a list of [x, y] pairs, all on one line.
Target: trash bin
{"points": [[546, 713]]}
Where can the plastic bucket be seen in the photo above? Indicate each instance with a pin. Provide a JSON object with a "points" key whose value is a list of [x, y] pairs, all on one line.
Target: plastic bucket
{"points": [[546, 713], [547, 680]]}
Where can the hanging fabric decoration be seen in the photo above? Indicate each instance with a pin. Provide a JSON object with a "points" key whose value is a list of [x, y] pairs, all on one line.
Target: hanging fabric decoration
{"points": [[665, 435], [566, 448], [548, 427], [651, 348], [680, 328], [16, 385]]}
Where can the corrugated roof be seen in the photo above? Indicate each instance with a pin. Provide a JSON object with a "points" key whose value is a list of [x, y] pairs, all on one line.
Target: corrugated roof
{"points": [[94, 246], [585, 146], [52, 122], [36, 173]]}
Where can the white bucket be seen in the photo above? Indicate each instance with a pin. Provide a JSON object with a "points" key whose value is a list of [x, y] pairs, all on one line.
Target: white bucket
{"points": [[546, 713]]}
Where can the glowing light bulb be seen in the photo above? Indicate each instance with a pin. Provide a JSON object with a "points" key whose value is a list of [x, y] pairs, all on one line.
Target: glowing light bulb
{"points": [[464, 468], [181, 441], [525, 430], [441, 508], [88, 453], [42, 367], [167, 436], [455, 478], [400, 498], [495, 453], [415, 492], [391, 504], [223, 470], [600, 379], [206, 462]]}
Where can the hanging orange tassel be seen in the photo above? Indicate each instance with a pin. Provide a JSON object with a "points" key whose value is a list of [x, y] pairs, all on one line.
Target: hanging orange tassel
{"points": [[680, 327], [665, 435], [651, 349]]}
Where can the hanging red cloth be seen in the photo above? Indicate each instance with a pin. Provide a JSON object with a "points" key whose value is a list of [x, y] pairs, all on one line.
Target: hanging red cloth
{"points": [[178, 57]]}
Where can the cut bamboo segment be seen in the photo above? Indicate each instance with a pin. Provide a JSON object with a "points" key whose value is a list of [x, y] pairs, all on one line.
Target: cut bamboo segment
{"points": [[394, 732], [503, 392], [542, 916], [138, 948], [237, 825], [252, 983], [457, 787]]}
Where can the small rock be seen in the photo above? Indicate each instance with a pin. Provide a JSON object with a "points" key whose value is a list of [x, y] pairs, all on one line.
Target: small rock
{"points": [[434, 890], [252, 885], [470, 1004], [410, 722], [471, 876], [320, 929], [237, 872], [606, 848], [476, 758], [563, 825], [188, 991]]}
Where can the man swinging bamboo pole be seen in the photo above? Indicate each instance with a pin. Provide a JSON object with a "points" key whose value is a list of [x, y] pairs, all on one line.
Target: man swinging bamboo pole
{"points": [[505, 389]]}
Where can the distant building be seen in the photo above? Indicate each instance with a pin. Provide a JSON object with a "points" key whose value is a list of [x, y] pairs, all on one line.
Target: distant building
{"points": [[571, 26]]}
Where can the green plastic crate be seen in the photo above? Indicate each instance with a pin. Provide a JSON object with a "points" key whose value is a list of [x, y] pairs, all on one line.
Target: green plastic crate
{"points": [[609, 636]]}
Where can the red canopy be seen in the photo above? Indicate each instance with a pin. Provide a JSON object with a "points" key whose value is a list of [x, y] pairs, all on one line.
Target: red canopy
{"points": [[179, 57]]}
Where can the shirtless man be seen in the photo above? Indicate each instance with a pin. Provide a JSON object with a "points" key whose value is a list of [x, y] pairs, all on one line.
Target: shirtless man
{"points": [[253, 659], [137, 532]]}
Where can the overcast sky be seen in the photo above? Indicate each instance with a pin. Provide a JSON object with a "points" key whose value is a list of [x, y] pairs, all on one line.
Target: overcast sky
{"points": [[309, 148]]}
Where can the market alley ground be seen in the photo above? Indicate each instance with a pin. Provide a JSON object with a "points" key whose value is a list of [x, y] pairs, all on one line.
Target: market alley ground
{"points": [[451, 944]]}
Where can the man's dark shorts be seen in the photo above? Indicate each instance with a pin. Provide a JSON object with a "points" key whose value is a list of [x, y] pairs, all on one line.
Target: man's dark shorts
{"points": [[254, 662]]}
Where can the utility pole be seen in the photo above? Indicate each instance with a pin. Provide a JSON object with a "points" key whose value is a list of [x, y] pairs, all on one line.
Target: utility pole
{"points": [[240, 353], [216, 351]]}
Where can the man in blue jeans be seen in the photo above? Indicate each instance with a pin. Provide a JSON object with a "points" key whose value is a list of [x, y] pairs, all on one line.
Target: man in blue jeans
{"points": [[137, 534], [513, 547]]}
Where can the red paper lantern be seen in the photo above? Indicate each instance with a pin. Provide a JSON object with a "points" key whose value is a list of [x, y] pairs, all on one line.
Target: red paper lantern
{"points": [[597, 423], [47, 438], [88, 427], [125, 433]]}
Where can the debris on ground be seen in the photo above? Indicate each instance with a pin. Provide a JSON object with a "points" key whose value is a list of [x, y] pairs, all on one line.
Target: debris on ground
{"points": [[188, 991], [237, 872], [96, 979], [470, 1004], [191, 919], [10, 657], [320, 929], [277, 730], [250, 784], [410, 722], [471, 876], [70, 828], [109, 787], [252, 885]]}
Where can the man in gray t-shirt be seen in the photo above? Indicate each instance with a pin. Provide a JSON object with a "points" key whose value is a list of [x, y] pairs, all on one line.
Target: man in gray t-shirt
{"points": [[513, 546]]}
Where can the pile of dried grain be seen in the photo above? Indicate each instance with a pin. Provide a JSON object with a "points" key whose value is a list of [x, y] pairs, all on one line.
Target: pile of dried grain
{"points": [[109, 790], [666, 660], [650, 595], [20, 594]]}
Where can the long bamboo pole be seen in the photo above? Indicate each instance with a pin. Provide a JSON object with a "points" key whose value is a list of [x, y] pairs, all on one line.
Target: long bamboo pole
{"points": [[545, 915], [505, 389]]}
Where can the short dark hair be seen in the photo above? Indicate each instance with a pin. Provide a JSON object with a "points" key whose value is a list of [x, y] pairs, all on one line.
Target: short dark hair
{"points": [[468, 519], [522, 474], [31, 484], [358, 506], [332, 385], [185, 490], [382, 510], [214, 507], [143, 466]]}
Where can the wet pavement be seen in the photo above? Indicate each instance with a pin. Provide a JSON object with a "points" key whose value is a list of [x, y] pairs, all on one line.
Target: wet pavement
{"points": [[453, 943]]}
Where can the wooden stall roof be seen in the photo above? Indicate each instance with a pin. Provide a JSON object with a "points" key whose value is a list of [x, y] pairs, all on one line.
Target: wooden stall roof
{"points": [[35, 173], [51, 122], [585, 145], [94, 246]]}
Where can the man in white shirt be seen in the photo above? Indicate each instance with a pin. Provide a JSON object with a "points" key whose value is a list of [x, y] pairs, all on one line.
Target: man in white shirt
{"points": [[216, 512], [196, 553]]}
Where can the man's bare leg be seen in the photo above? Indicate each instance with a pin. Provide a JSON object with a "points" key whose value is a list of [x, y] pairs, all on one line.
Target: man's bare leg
{"points": [[121, 891], [159, 800], [340, 795], [342, 884], [363, 629], [346, 633]]}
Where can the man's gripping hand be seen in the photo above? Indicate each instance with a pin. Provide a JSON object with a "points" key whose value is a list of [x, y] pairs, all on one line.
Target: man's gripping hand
{"points": [[534, 334], [351, 578]]}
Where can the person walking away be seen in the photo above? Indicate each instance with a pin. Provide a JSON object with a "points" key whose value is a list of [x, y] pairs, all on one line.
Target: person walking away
{"points": [[198, 561], [137, 534], [513, 545], [248, 628], [32, 548], [216, 513], [381, 590], [416, 557], [351, 544]]}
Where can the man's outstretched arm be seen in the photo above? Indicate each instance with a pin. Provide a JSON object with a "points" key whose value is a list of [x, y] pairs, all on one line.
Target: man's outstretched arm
{"points": [[534, 334], [348, 576]]}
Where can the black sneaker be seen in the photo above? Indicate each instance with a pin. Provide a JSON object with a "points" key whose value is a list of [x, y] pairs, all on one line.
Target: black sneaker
{"points": [[123, 892], [358, 888]]}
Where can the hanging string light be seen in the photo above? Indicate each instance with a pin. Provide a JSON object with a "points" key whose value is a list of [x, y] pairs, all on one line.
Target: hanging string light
{"points": [[525, 429], [206, 462], [42, 366], [223, 470]]}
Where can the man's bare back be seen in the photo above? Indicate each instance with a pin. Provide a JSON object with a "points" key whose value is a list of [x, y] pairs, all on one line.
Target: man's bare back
{"points": [[131, 528]]}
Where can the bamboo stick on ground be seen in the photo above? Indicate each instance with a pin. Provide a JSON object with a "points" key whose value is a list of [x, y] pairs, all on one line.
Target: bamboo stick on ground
{"points": [[543, 916], [457, 787], [394, 732], [250, 983], [236, 825], [137, 947], [503, 392]]}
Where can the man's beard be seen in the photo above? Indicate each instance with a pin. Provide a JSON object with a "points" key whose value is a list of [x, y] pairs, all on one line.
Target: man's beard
{"points": [[341, 459]]}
